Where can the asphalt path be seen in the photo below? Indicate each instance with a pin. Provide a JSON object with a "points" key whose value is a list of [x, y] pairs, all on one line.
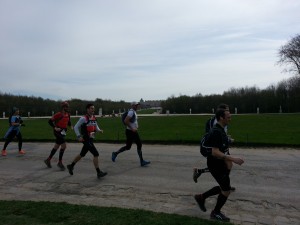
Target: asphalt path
{"points": [[267, 184]]}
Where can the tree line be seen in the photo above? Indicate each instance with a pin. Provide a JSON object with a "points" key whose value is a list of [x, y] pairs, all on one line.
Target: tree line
{"points": [[38, 106], [283, 97]]}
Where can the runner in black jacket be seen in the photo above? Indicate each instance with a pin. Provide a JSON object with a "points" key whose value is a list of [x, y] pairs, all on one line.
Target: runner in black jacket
{"points": [[217, 164]]}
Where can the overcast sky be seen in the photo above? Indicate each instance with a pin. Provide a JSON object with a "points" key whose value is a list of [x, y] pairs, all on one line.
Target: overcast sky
{"points": [[133, 49]]}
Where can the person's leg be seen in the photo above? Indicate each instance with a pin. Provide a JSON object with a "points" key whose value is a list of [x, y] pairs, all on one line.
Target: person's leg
{"points": [[216, 171], [83, 152], [224, 182], [62, 151], [3, 152], [95, 153], [96, 162], [129, 141], [20, 143], [138, 143], [213, 191], [7, 141], [229, 166], [222, 198], [8, 138], [216, 213], [61, 154], [52, 153], [197, 173], [70, 167], [137, 140], [76, 159], [54, 150], [200, 198]]}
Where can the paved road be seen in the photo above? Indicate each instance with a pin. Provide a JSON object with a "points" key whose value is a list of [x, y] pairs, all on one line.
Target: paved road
{"points": [[268, 184]]}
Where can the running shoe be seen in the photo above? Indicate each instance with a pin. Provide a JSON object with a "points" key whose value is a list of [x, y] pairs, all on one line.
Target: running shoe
{"points": [[219, 216], [47, 162], [22, 152], [101, 174], [144, 163], [113, 156], [70, 169], [3, 153], [196, 174], [61, 166], [201, 202]]}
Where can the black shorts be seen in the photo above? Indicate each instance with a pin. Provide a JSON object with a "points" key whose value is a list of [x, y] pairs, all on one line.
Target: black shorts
{"points": [[60, 139], [89, 146], [132, 137], [219, 171]]}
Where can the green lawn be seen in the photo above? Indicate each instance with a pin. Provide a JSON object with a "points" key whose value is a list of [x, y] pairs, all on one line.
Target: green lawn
{"points": [[47, 213], [247, 130]]}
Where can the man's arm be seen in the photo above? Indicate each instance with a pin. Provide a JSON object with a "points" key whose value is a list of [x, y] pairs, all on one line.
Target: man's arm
{"points": [[127, 122], [77, 128], [98, 129], [220, 155]]}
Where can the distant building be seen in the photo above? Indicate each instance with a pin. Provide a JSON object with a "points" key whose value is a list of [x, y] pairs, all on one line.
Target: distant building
{"points": [[151, 104]]}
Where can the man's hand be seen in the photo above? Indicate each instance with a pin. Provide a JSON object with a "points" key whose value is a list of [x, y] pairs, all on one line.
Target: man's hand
{"points": [[238, 161], [80, 139], [134, 129], [57, 129], [217, 153]]}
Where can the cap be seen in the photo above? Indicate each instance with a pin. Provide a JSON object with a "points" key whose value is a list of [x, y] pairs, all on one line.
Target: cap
{"points": [[63, 104], [135, 103]]}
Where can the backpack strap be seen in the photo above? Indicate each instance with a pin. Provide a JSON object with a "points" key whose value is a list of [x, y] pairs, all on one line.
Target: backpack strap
{"points": [[132, 119], [209, 124], [87, 118], [124, 115]]}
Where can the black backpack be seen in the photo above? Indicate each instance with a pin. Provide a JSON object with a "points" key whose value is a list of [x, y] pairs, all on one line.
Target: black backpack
{"points": [[205, 142], [132, 119], [209, 124], [205, 146]]}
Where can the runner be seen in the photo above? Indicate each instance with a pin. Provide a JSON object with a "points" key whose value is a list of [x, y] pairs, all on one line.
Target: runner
{"points": [[14, 130], [59, 122], [132, 135], [85, 130], [217, 164]]}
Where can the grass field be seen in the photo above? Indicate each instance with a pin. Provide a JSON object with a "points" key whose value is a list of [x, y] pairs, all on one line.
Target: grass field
{"points": [[247, 130], [47, 213]]}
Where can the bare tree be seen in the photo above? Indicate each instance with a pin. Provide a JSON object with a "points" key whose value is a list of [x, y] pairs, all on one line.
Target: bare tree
{"points": [[289, 55]]}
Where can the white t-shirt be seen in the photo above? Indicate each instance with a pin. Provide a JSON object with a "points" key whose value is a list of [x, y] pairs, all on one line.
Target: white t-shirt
{"points": [[133, 124]]}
